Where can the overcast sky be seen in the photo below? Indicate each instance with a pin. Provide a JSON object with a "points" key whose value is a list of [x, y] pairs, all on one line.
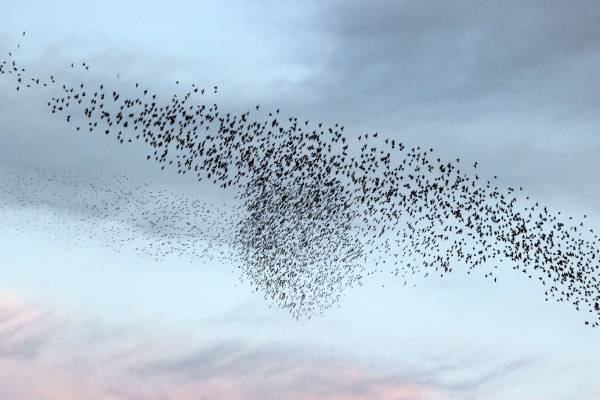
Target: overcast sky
{"points": [[510, 84]]}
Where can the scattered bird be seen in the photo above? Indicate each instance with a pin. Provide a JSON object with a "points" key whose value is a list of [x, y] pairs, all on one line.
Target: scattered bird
{"points": [[115, 212]]}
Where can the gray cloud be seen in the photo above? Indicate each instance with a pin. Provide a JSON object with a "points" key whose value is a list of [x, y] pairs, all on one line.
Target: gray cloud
{"points": [[235, 359], [439, 53], [510, 84]]}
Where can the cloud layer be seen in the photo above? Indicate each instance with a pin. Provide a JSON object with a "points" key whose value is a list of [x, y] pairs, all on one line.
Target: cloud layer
{"points": [[47, 356]]}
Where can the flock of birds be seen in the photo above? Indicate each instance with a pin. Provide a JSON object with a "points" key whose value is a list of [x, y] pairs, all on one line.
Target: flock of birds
{"points": [[321, 210]]}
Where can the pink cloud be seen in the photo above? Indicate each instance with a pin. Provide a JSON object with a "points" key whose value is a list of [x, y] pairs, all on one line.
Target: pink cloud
{"points": [[43, 356]]}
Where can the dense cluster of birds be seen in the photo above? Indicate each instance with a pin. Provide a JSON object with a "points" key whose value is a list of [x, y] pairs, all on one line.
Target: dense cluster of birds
{"points": [[321, 210]]}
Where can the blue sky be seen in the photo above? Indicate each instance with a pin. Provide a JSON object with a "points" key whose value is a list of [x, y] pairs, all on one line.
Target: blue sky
{"points": [[508, 84]]}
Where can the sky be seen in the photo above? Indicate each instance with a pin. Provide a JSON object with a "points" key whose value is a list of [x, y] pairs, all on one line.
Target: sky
{"points": [[509, 84]]}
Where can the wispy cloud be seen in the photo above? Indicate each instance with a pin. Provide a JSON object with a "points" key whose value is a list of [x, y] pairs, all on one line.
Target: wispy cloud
{"points": [[47, 356]]}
